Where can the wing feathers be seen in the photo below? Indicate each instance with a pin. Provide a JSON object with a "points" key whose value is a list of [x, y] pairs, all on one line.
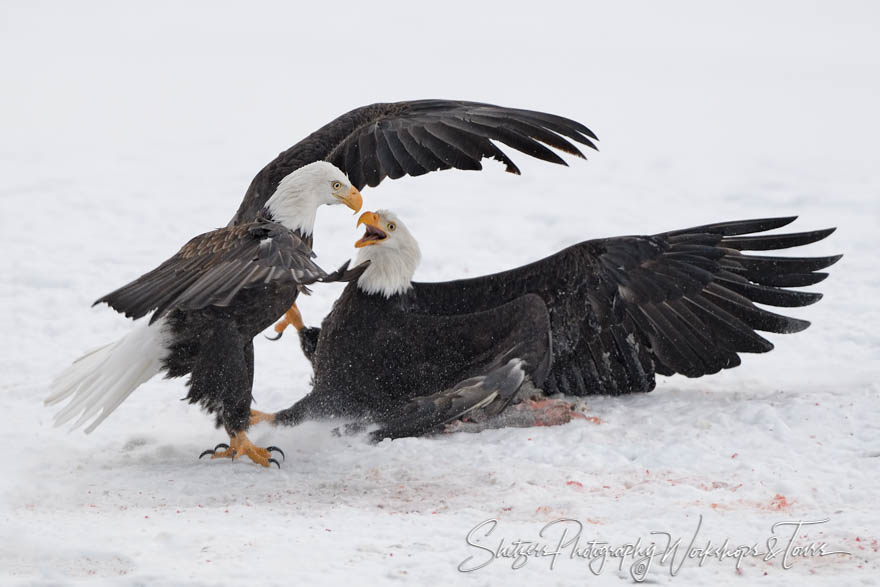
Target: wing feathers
{"points": [[214, 267], [409, 138], [737, 227], [776, 241], [623, 309], [407, 162]]}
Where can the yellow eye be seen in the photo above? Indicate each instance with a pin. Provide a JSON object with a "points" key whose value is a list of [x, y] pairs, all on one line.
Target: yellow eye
{"points": [[336, 185], [391, 227]]}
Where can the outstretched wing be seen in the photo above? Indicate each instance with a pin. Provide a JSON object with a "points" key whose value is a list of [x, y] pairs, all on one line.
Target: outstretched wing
{"points": [[413, 138], [213, 267], [624, 308]]}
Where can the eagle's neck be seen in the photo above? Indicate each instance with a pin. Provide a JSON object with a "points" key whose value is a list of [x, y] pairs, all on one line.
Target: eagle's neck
{"points": [[266, 215], [391, 269], [295, 203]]}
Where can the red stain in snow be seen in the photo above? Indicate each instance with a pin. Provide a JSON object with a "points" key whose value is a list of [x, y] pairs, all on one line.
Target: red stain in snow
{"points": [[779, 502]]}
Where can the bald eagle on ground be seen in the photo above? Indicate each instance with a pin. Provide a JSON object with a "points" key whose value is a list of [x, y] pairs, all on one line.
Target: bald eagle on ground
{"points": [[222, 288], [208, 302], [601, 317]]}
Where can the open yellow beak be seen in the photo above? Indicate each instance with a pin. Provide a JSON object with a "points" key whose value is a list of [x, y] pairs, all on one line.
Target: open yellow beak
{"points": [[374, 234], [353, 200]]}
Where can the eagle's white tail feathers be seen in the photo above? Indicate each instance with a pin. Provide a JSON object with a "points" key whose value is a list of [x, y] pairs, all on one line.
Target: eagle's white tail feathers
{"points": [[102, 379]]}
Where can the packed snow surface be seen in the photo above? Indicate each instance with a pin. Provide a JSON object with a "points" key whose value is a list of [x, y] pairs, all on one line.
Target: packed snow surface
{"points": [[128, 131]]}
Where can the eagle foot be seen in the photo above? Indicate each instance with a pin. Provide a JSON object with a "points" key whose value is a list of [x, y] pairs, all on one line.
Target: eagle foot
{"points": [[239, 445], [291, 317]]}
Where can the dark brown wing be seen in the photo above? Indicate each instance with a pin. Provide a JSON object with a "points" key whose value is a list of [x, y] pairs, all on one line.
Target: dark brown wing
{"points": [[413, 138], [624, 308], [213, 267]]}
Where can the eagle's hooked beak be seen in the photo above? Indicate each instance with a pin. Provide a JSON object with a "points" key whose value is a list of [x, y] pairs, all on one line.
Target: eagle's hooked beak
{"points": [[374, 234], [353, 200]]}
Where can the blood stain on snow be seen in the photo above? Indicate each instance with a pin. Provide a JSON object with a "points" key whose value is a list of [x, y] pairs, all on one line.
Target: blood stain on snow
{"points": [[779, 502]]}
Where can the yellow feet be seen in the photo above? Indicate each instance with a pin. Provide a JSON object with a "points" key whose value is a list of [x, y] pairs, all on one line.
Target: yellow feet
{"points": [[292, 317], [240, 445], [258, 416]]}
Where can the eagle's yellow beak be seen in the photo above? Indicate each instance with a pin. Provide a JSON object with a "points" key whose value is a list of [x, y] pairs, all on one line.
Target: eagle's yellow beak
{"points": [[353, 200], [374, 234]]}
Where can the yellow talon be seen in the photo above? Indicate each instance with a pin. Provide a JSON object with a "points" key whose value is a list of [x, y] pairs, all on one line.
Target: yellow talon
{"points": [[240, 445]]}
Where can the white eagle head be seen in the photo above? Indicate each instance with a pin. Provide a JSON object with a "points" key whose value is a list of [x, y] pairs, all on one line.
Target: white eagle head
{"points": [[392, 251], [298, 196]]}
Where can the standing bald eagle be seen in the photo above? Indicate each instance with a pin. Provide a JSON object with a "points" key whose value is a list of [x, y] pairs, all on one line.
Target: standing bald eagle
{"points": [[603, 316], [208, 302]]}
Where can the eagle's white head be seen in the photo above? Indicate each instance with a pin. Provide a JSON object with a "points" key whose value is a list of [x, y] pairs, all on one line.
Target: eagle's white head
{"points": [[392, 251], [298, 196]]}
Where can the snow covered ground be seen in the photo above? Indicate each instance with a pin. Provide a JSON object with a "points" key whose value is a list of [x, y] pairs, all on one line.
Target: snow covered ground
{"points": [[125, 132]]}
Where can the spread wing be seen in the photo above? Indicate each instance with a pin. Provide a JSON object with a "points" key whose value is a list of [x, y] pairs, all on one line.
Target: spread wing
{"points": [[624, 308], [213, 267], [413, 138]]}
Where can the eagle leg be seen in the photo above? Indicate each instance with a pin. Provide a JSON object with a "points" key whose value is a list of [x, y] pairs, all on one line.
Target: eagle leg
{"points": [[258, 416], [291, 317], [240, 445]]}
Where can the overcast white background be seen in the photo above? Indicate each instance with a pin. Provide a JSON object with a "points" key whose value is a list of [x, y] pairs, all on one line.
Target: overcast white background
{"points": [[125, 130]]}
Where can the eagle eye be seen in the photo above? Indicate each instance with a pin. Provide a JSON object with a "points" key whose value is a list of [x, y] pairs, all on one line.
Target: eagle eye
{"points": [[391, 227], [336, 185]]}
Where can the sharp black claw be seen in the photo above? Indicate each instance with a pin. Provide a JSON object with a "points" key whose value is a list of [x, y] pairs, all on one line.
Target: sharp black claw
{"points": [[276, 337], [212, 451], [275, 448], [277, 464]]}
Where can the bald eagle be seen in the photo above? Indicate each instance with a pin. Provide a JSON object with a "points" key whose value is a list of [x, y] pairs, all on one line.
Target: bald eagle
{"points": [[222, 288], [208, 302], [601, 317]]}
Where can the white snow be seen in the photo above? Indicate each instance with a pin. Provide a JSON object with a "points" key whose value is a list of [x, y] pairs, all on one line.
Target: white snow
{"points": [[128, 130]]}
